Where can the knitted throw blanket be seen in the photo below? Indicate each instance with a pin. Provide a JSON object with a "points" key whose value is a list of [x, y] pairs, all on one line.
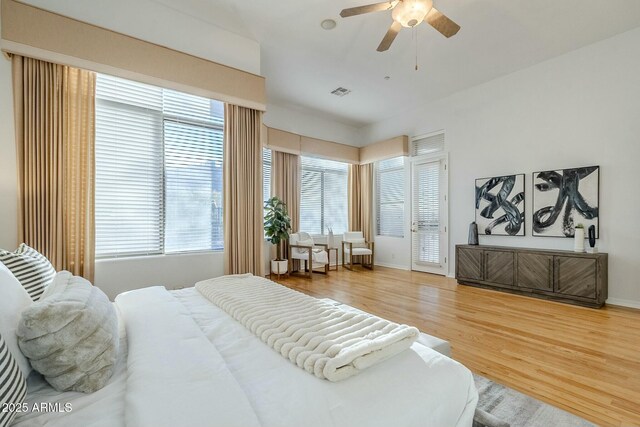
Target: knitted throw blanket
{"points": [[322, 339]]}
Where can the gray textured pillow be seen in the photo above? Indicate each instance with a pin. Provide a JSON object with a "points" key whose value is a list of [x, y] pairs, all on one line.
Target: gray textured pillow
{"points": [[71, 335]]}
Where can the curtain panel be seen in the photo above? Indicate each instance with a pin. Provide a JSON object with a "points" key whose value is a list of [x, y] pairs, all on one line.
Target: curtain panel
{"points": [[360, 196], [285, 184], [242, 194], [54, 109]]}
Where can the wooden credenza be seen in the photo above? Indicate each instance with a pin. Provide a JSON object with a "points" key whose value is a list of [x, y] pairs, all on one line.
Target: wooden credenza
{"points": [[565, 276]]}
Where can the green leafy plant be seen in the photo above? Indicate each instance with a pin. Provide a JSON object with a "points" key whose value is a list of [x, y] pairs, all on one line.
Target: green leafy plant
{"points": [[277, 223]]}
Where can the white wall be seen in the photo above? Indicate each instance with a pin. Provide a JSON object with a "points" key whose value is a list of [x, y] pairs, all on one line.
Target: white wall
{"points": [[578, 109], [114, 276], [302, 123], [8, 167]]}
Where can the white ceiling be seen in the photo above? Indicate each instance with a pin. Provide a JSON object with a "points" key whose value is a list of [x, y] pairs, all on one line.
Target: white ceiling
{"points": [[303, 63]]}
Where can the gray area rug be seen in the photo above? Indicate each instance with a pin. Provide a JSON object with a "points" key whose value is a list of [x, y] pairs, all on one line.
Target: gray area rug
{"points": [[501, 406]]}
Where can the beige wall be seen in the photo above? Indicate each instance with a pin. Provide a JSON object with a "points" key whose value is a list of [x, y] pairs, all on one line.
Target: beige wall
{"points": [[34, 32]]}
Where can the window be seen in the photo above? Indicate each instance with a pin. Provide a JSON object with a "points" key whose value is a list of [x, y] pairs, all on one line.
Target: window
{"points": [[323, 196], [158, 170], [428, 144], [390, 197], [266, 174]]}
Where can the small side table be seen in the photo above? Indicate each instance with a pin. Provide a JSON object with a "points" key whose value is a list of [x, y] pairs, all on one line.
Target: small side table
{"points": [[329, 254]]}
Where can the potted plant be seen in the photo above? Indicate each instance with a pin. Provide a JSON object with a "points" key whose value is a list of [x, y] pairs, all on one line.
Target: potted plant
{"points": [[578, 235], [277, 225]]}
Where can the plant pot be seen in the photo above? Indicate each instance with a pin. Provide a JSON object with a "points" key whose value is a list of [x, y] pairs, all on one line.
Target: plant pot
{"points": [[578, 240], [279, 267]]}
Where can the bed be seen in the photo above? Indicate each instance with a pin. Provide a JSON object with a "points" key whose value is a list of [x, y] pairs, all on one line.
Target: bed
{"points": [[184, 361]]}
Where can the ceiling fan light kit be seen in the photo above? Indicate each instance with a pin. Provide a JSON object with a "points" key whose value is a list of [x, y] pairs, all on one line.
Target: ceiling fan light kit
{"points": [[407, 14], [410, 13]]}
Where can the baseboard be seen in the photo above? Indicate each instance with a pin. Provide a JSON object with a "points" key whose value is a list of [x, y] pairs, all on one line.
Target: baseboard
{"points": [[623, 302], [396, 266]]}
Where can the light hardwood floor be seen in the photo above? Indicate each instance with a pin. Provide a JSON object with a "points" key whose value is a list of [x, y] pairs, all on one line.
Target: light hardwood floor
{"points": [[583, 360]]}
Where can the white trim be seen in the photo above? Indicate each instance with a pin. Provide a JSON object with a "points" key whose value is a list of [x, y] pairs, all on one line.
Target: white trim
{"points": [[623, 302], [394, 266]]}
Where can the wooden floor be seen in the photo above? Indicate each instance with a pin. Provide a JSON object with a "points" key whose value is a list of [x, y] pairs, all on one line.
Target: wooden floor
{"points": [[586, 361]]}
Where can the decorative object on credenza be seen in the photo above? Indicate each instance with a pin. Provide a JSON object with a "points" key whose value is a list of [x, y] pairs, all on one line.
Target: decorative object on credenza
{"points": [[562, 198], [500, 205], [592, 240], [578, 238], [277, 225], [473, 233]]}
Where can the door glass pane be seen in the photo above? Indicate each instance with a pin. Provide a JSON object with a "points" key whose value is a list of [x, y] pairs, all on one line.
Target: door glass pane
{"points": [[426, 215]]}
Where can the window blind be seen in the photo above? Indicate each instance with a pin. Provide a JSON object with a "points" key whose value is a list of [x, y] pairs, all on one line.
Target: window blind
{"points": [[390, 197], [323, 196], [266, 174], [158, 170], [428, 145], [426, 215]]}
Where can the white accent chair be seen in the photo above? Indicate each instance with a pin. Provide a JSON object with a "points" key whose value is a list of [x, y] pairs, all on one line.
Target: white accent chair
{"points": [[303, 249], [354, 245]]}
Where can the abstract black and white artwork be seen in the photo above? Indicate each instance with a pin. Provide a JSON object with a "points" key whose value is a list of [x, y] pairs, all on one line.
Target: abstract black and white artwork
{"points": [[564, 198], [500, 205]]}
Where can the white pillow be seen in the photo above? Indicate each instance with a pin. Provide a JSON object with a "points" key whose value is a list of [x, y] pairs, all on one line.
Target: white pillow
{"points": [[358, 243], [308, 242], [13, 300], [71, 336]]}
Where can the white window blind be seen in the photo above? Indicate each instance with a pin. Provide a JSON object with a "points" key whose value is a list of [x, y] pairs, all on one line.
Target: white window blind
{"points": [[426, 212], [428, 145], [158, 170], [266, 174], [390, 197], [323, 196]]}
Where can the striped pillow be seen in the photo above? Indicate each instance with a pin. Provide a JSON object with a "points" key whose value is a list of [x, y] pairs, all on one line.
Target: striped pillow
{"points": [[13, 387], [32, 269]]}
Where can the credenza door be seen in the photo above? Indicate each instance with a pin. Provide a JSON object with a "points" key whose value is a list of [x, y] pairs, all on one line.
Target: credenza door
{"points": [[576, 276], [498, 267], [534, 271]]}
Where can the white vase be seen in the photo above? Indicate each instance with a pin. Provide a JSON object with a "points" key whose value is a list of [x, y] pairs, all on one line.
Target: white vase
{"points": [[330, 242], [578, 240], [279, 267]]}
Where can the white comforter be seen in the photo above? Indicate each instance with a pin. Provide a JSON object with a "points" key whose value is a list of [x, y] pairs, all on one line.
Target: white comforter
{"points": [[175, 377]]}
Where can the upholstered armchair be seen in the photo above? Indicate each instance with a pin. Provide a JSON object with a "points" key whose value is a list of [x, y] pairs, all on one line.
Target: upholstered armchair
{"points": [[303, 249], [355, 245]]}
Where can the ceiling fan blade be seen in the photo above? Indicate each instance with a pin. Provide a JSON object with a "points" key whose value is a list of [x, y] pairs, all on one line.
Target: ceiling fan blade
{"points": [[440, 22], [393, 31], [376, 7]]}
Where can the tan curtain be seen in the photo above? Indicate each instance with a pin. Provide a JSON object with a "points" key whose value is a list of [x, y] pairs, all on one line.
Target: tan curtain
{"points": [[242, 205], [54, 119], [285, 184], [360, 194]]}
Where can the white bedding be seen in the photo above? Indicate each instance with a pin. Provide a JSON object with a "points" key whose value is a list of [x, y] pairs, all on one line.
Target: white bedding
{"points": [[418, 388]]}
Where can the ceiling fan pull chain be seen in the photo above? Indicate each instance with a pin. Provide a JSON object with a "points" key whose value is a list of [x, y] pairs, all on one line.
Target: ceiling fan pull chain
{"points": [[415, 34]]}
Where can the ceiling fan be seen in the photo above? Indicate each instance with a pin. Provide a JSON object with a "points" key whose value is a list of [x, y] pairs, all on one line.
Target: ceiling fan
{"points": [[408, 14]]}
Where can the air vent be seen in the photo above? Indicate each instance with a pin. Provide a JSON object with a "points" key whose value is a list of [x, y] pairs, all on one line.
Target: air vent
{"points": [[341, 91]]}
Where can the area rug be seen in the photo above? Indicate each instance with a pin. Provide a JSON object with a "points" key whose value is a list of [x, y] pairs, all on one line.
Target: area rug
{"points": [[501, 406]]}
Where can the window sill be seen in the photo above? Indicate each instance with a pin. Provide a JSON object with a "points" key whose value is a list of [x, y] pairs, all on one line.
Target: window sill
{"points": [[159, 256]]}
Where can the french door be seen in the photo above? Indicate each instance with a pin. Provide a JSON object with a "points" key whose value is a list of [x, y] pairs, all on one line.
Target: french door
{"points": [[429, 240]]}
